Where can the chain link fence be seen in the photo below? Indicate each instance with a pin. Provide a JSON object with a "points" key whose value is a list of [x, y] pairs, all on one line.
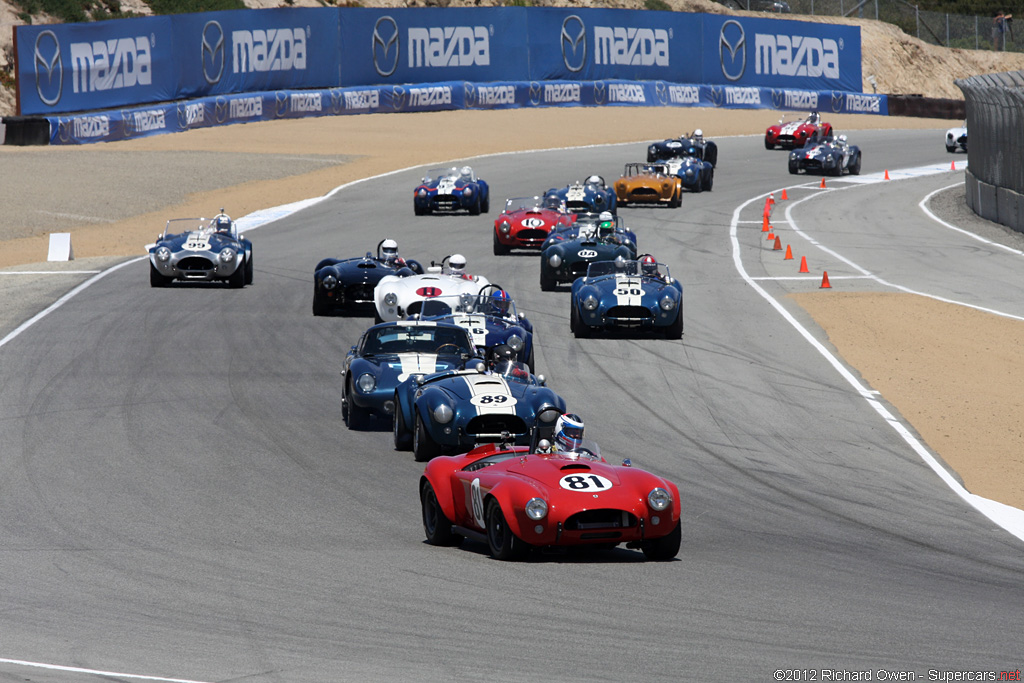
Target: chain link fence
{"points": [[995, 134], [971, 32]]}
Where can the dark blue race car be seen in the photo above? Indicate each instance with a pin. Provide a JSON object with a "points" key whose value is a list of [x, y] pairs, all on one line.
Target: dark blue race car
{"points": [[568, 253], [696, 174], [389, 353], [830, 155], [627, 294], [201, 250], [592, 195], [456, 410], [686, 145], [491, 319], [451, 189], [346, 285]]}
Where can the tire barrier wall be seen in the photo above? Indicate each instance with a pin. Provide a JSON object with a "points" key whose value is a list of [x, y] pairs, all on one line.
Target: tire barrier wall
{"points": [[995, 123]]}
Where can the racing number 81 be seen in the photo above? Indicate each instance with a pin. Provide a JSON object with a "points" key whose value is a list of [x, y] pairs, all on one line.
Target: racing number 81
{"points": [[581, 483]]}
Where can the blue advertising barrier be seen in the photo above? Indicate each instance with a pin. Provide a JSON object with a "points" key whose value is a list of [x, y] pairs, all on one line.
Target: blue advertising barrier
{"points": [[109, 64], [241, 108]]}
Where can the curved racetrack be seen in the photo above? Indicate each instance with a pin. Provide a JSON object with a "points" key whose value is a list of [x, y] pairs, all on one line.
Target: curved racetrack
{"points": [[181, 499]]}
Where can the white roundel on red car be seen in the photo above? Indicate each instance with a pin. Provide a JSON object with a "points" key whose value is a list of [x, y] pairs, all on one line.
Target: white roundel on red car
{"points": [[585, 482], [532, 222]]}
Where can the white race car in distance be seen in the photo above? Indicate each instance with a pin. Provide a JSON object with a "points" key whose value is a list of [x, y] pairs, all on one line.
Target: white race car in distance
{"points": [[956, 138], [397, 298]]}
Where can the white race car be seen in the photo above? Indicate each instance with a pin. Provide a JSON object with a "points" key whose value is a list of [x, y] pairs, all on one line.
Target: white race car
{"points": [[397, 298], [956, 138]]}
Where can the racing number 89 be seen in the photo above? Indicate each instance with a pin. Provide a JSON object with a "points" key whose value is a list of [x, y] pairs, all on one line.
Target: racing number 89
{"points": [[492, 398]]}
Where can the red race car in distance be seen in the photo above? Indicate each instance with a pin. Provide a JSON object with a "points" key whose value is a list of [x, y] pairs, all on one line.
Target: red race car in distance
{"points": [[526, 221], [515, 499], [793, 131]]}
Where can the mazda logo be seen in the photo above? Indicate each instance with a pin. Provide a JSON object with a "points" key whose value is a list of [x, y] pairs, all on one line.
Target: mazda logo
{"points": [[127, 124], [398, 98], [717, 95], [221, 109], [337, 100], [600, 90], [469, 93], [778, 98], [182, 113], [732, 50], [837, 101], [661, 91], [385, 37], [212, 52], [64, 130], [280, 104], [536, 93], [49, 68], [574, 43]]}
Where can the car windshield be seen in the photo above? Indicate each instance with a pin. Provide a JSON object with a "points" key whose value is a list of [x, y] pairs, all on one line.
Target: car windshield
{"points": [[585, 449], [177, 226], [393, 339], [476, 304], [616, 267], [514, 371], [524, 204], [435, 174]]}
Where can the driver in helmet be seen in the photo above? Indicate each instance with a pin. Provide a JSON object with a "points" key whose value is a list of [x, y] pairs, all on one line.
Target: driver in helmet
{"points": [[698, 135], [466, 174], [568, 434], [649, 267], [606, 228], [389, 253], [222, 222], [501, 304], [553, 202], [813, 117], [841, 141], [457, 265], [596, 181]]}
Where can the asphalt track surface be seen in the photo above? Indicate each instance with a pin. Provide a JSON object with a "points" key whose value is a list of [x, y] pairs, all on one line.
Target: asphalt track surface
{"points": [[181, 499]]}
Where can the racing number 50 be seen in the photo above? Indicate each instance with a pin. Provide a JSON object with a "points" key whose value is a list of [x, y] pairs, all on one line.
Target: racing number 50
{"points": [[633, 291]]}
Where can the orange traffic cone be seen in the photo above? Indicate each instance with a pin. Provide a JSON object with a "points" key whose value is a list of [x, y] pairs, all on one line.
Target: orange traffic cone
{"points": [[771, 236], [822, 183], [784, 194], [764, 225], [771, 199], [952, 166], [824, 281], [803, 265], [886, 174], [789, 254], [778, 244]]}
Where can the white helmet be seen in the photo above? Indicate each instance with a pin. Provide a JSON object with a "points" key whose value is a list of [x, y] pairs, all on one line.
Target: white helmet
{"points": [[595, 180], [466, 171], [569, 432], [699, 134], [842, 139], [457, 264], [389, 249]]}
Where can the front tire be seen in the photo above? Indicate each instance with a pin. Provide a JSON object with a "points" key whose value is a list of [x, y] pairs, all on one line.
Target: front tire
{"points": [[711, 180], [665, 548], [547, 280], [474, 209], [237, 279], [423, 447], [794, 167], [579, 329], [403, 439], [436, 525], [499, 248], [675, 330], [320, 308], [768, 145], [855, 166], [158, 279], [503, 544], [248, 270], [354, 416]]}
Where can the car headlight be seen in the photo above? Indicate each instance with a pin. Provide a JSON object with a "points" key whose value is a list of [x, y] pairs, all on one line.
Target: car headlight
{"points": [[390, 299], [794, 155], [536, 508], [330, 282], [443, 414], [665, 187], [227, 254], [366, 383], [659, 499], [590, 302], [548, 413], [422, 192], [163, 254], [505, 227], [515, 342], [667, 303], [689, 172], [468, 191], [554, 260]]}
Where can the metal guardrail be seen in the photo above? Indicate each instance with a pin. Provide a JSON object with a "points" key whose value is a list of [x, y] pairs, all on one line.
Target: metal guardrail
{"points": [[995, 134], [970, 32]]}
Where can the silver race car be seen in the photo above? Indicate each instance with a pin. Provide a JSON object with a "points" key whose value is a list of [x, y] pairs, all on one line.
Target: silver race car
{"points": [[201, 249]]}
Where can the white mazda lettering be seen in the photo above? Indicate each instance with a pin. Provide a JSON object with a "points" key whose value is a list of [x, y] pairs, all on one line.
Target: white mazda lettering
{"points": [[92, 127], [863, 103], [362, 99], [276, 49], [625, 92], [489, 96], [561, 92], [631, 46], [781, 55], [742, 96], [305, 102], [424, 97], [801, 99], [143, 121], [246, 108], [684, 94], [111, 64], [449, 46], [194, 113]]}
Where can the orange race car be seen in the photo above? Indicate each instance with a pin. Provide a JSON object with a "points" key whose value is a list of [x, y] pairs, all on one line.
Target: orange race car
{"points": [[648, 184]]}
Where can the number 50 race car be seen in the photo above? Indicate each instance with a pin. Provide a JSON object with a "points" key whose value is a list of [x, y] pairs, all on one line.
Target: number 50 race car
{"points": [[515, 499]]}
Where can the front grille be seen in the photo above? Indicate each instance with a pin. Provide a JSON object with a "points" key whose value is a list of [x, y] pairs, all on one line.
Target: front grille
{"points": [[531, 235], [358, 294], [594, 520], [494, 424], [579, 269], [641, 193], [577, 207], [813, 164], [446, 202], [625, 314], [195, 264]]}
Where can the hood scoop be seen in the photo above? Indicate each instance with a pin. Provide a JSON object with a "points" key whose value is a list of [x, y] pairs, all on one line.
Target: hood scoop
{"points": [[575, 466]]}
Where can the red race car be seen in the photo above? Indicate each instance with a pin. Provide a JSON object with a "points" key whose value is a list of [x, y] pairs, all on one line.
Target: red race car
{"points": [[514, 499], [526, 222], [792, 131]]}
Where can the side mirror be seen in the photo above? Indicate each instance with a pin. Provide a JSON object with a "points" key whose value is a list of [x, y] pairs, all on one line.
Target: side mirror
{"points": [[542, 380]]}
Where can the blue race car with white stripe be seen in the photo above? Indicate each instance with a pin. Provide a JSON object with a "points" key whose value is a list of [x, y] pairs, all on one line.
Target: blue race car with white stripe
{"points": [[389, 353], [568, 253], [456, 410], [201, 250], [451, 189], [590, 195], [491, 319], [627, 294]]}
